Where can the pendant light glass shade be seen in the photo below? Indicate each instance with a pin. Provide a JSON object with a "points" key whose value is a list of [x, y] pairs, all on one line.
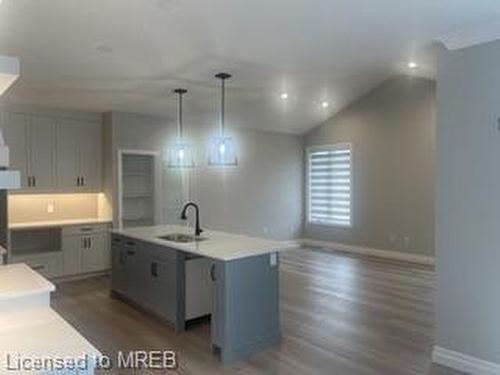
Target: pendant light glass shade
{"points": [[222, 151], [180, 154]]}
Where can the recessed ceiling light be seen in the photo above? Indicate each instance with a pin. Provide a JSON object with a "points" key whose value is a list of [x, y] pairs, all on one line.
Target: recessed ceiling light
{"points": [[412, 65], [284, 95], [325, 104]]}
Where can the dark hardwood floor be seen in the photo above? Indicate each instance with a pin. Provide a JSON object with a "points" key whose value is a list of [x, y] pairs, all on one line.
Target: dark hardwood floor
{"points": [[341, 314]]}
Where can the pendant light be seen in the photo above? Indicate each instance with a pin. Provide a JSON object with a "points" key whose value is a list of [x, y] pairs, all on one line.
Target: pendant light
{"points": [[180, 155], [222, 151]]}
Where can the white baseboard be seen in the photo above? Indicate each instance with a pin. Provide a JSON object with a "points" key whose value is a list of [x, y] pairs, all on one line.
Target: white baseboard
{"points": [[463, 362], [386, 254]]}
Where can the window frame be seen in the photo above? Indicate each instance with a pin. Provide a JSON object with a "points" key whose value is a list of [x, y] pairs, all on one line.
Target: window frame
{"points": [[329, 147]]}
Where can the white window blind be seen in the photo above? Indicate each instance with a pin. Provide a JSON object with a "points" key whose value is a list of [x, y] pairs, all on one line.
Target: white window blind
{"points": [[330, 185]]}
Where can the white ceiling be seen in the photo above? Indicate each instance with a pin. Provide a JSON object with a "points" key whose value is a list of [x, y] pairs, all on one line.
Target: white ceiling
{"points": [[101, 55]]}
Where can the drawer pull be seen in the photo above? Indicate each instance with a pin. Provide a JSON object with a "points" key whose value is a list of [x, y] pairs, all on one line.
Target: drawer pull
{"points": [[212, 272], [130, 243], [38, 267], [154, 269], [85, 229], [130, 252]]}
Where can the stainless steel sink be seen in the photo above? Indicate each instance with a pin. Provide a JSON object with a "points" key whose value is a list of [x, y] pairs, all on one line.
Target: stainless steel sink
{"points": [[182, 237]]}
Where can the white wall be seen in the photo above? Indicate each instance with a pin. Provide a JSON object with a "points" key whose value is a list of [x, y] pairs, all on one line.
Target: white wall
{"points": [[261, 197], [467, 202], [392, 131]]}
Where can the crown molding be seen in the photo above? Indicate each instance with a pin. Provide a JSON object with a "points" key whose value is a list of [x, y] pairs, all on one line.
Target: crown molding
{"points": [[471, 36]]}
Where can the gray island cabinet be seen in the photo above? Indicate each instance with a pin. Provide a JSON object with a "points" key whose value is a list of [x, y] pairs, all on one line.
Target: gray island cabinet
{"points": [[245, 315], [149, 276], [244, 284]]}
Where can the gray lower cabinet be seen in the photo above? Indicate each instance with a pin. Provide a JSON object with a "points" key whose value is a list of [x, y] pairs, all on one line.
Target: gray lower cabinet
{"points": [[245, 306], [161, 284], [245, 316], [85, 249], [148, 275], [118, 267]]}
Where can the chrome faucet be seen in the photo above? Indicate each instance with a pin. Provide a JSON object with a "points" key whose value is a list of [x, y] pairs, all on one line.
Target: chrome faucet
{"points": [[198, 230]]}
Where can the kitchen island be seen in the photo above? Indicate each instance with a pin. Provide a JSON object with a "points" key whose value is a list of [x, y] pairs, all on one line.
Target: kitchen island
{"points": [[243, 274]]}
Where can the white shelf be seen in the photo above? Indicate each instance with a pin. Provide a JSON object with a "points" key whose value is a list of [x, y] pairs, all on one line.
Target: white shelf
{"points": [[138, 189]]}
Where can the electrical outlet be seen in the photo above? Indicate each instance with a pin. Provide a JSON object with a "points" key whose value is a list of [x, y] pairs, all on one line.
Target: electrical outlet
{"points": [[273, 259], [392, 239], [50, 208], [265, 230], [406, 241]]}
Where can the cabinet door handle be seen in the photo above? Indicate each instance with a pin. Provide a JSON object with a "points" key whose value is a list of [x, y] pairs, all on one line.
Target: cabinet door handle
{"points": [[89, 239], [130, 252], [154, 269], [212, 272], [78, 181], [34, 181]]}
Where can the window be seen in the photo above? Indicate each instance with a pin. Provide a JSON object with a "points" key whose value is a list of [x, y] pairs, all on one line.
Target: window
{"points": [[329, 185]]}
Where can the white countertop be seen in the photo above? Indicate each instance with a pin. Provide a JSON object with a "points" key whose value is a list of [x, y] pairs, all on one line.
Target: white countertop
{"points": [[218, 245], [19, 280], [34, 331], [40, 333], [57, 223]]}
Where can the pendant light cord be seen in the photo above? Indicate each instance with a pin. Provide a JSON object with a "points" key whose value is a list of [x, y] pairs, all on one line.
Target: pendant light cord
{"points": [[222, 105], [179, 117], [180, 129], [222, 77]]}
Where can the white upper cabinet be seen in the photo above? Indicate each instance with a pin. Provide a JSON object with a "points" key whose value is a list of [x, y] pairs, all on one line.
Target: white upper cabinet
{"points": [[78, 158], [41, 146], [55, 154], [91, 156], [15, 132], [67, 155], [31, 144]]}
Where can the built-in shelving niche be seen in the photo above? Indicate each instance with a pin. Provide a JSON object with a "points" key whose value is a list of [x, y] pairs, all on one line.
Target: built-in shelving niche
{"points": [[138, 192], [35, 241]]}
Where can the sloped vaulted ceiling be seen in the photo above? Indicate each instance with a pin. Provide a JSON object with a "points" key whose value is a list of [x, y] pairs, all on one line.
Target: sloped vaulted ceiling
{"points": [[102, 55]]}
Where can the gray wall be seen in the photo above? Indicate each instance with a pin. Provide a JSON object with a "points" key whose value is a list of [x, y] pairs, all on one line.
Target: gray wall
{"points": [[467, 202], [392, 130], [261, 197]]}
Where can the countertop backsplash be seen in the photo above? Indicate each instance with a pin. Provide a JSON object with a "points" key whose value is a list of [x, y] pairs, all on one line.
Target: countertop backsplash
{"points": [[54, 207]]}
